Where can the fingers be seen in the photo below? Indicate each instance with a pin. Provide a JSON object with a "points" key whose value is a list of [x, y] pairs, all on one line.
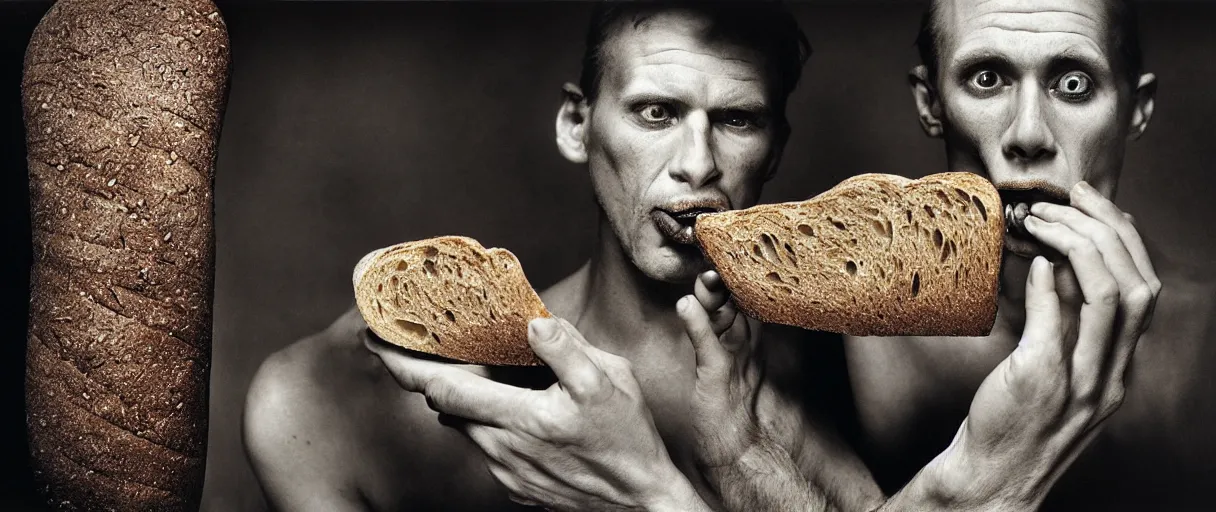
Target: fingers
{"points": [[1094, 204], [1098, 313], [1043, 325], [451, 390], [1105, 238], [567, 357], [711, 356], [711, 292]]}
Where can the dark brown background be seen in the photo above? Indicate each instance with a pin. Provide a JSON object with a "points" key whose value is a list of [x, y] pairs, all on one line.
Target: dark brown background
{"points": [[355, 125]]}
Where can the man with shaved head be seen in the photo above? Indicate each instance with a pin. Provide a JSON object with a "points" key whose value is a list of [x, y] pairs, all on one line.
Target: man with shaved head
{"points": [[1042, 97]]}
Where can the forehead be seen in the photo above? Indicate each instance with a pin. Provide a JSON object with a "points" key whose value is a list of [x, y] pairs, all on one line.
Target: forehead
{"points": [[677, 47], [1025, 30]]}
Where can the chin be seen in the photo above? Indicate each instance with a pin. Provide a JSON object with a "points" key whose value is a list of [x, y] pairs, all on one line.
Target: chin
{"points": [[675, 265]]}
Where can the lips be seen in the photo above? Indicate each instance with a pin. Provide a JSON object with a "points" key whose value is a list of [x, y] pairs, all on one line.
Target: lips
{"points": [[1017, 198], [676, 219]]}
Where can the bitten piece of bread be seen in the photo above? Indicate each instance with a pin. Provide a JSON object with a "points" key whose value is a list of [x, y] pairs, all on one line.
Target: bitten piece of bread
{"points": [[876, 255], [451, 297]]}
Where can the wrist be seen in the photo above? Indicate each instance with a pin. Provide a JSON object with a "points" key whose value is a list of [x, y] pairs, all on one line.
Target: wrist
{"points": [[951, 482], [674, 494]]}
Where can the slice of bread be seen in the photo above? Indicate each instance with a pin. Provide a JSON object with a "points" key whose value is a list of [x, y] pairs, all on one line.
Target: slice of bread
{"points": [[451, 297], [876, 255]]}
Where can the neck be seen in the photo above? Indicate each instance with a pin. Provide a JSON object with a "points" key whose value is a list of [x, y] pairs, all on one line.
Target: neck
{"points": [[622, 306], [1011, 313]]}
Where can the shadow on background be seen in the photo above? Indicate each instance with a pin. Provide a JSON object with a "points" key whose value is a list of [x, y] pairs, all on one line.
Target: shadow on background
{"points": [[356, 125]]}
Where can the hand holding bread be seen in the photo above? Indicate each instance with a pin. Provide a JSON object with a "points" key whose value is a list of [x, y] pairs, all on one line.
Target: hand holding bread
{"points": [[587, 442], [1043, 405]]}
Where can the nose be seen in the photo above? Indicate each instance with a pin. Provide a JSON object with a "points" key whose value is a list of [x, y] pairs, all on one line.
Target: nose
{"points": [[1029, 137], [694, 161]]}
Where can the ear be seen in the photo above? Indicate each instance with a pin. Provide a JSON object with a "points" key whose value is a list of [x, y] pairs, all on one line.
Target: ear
{"points": [[928, 103], [1142, 111], [779, 140], [572, 125]]}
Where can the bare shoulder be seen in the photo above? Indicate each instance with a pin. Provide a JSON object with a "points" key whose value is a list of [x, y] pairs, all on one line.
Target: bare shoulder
{"points": [[327, 428], [294, 430]]}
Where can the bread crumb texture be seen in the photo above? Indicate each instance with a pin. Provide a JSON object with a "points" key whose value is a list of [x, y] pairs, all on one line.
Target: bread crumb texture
{"points": [[451, 297], [876, 255]]}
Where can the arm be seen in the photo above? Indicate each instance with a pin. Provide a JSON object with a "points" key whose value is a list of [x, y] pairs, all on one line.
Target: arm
{"points": [[296, 466], [1030, 419], [586, 442]]}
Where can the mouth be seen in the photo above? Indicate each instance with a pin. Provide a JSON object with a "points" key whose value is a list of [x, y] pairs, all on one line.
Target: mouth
{"points": [[676, 220], [1017, 198]]}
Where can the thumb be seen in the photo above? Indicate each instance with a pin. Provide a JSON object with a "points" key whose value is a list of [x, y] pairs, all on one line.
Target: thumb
{"points": [[711, 355], [568, 359], [1043, 324]]}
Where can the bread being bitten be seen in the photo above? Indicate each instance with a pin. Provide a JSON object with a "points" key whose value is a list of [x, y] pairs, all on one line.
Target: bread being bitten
{"points": [[876, 255], [451, 297]]}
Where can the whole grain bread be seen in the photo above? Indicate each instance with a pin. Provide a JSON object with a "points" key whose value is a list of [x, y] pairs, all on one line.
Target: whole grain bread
{"points": [[876, 255], [123, 101], [451, 297]]}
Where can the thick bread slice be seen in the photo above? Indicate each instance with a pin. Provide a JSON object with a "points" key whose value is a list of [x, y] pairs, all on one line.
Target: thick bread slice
{"points": [[450, 297], [877, 255]]}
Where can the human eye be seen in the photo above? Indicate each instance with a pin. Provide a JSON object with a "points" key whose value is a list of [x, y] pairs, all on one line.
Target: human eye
{"points": [[1074, 86], [657, 114], [985, 82], [741, 120]]}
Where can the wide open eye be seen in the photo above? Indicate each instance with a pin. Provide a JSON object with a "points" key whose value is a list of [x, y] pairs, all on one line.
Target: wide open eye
{"points": [[985, 80], [1074, 86], [656, 113]]}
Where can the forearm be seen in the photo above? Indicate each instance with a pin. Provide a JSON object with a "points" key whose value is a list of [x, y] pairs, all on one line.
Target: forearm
{"points": [[955, 488], [765, 478]]}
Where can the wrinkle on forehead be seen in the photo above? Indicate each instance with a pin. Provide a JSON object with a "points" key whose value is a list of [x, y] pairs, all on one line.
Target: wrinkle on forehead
{"points": [[657, 51], [993, 27], [1084, 19]]}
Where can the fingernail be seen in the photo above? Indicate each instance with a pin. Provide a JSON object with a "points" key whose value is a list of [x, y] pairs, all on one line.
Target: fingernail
{"points": [[1036, 267], [682, 304], [1085, 188], [542, 328]]}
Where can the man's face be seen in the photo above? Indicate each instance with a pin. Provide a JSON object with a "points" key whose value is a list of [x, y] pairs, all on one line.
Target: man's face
{"points": [[681, 125], [1030, 95]]}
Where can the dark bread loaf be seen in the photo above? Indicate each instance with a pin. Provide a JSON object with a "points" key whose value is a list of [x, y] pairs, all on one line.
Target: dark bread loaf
{"points": [[876, 255], [123, 101], [450, 297]]}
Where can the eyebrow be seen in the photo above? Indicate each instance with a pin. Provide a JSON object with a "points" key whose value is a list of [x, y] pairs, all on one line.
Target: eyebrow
{"points": [[651, 94], [1072, 55]]}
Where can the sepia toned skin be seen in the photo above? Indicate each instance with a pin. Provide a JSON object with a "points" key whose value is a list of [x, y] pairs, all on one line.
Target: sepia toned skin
{"points": [[332, 422], [1032, 93], [1036, 410]]}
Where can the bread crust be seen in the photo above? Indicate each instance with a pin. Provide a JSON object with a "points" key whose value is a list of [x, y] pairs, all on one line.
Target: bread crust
{"points": [[876, 255], [451, 297], [123, 102]]}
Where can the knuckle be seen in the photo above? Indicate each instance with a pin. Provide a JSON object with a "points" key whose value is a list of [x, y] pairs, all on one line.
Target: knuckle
{"points": [[1139, 297], [1104, 235], [1108, 293], [1085, 393], [1155, 286], [1083, 248]]}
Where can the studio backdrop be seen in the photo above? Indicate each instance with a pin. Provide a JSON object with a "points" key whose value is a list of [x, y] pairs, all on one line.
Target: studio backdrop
{"points": [[356, 125]]}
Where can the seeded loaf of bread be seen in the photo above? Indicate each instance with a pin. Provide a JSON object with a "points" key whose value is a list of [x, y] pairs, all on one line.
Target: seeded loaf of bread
{"points": [[123, 101], [876, 255], [451, 297]]}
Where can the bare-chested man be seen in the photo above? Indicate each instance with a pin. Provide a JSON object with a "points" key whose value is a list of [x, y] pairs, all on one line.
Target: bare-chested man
{"points": [[679, 111], [674, 111], [1049, 93]]}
